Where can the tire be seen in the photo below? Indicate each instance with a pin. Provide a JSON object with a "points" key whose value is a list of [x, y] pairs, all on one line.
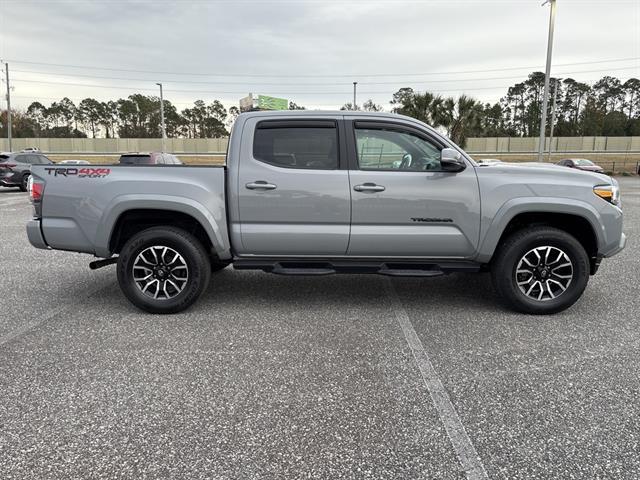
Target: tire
{"points": [[179, 273], [24, 182], [514, 271]]}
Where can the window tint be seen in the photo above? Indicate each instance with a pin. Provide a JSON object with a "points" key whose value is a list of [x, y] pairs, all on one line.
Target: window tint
{"points": [[135, 159], [44, 160], [22, 159], [395, 150], [297, 147]]}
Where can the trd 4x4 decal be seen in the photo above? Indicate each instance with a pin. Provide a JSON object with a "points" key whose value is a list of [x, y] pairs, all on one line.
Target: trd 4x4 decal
{"points": [[78, 172]]}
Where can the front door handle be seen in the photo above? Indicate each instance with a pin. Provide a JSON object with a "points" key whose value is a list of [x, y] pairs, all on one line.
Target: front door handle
{"points": [[369, 187], [261, 185]]}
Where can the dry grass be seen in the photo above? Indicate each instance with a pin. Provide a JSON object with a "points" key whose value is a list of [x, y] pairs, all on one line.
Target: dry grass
{"points": [[612, 162], [112, 159], [617, 163]]}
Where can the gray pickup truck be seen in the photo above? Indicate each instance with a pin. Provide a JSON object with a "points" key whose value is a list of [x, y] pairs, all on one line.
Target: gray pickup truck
{"points": [[314, 193]]}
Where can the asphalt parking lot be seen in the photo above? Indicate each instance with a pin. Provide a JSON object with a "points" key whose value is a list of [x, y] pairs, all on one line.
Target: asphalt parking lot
{"points": [[324, 377]]}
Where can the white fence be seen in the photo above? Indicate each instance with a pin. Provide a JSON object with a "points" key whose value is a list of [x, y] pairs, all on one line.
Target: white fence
{"points": [[118, 145], [560, 144]]}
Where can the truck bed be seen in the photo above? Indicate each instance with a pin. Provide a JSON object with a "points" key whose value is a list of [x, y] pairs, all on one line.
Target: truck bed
{"points": [[81, 205]]}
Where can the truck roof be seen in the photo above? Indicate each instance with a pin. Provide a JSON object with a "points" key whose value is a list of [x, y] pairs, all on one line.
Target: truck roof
{"points": [[271, 113], [333, 113]]}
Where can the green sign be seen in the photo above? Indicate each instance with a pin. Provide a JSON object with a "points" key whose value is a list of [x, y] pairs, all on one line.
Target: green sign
{"points": [[272, 103]]}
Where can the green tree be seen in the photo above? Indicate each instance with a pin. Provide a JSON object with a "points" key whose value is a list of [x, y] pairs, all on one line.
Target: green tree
{"points": [[370, 106], [91, 112]]}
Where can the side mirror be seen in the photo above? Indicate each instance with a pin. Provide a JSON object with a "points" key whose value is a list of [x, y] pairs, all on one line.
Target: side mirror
{"points": [[451, 160]]}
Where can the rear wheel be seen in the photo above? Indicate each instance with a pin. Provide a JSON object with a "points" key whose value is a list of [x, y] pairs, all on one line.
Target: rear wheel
{"points": [[24, 184], [163, 270], [540, 270]]}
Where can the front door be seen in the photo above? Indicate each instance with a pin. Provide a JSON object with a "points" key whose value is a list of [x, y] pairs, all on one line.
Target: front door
{"points": [[294, 198], [403, 204]]}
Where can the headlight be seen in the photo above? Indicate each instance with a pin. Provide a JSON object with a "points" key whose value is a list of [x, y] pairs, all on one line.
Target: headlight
{"points": [[610, 193]]}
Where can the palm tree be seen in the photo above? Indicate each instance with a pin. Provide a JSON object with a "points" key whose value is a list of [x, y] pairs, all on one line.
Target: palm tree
{"points": [[467, 117]]}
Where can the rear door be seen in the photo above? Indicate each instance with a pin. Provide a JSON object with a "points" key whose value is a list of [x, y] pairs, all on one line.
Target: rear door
{"points": [[403, 204], [293, 188]]}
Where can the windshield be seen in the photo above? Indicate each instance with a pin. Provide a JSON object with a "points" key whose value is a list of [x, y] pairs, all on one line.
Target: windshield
{"points": [[135, 159], [584, 163]]}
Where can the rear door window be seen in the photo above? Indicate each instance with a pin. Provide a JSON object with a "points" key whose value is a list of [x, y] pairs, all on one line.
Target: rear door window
{"points": [[305, 145]]}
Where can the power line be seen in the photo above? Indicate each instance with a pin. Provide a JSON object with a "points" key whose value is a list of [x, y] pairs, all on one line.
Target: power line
{"points": [[89, 85], [280, 84], [351, 75]]}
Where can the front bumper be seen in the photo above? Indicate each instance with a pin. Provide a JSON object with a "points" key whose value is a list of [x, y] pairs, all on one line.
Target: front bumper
{"points": [[621, 245], [34, 234]]}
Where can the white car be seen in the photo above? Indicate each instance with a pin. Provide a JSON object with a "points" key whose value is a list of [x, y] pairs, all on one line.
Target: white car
{"points": [[74, 162], [485, 162]]}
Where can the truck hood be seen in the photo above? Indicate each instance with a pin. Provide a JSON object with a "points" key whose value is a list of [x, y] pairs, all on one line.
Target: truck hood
{"points": [[539, 168]]}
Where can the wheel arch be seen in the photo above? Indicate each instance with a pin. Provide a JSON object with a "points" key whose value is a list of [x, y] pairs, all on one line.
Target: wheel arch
{"points": [[129, 216], [578, 219]]}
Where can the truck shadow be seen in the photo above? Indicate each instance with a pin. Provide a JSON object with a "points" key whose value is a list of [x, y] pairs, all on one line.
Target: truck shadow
{"points": [[233, 288]]}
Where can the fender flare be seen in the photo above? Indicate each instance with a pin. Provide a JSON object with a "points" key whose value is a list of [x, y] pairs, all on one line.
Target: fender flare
{"points": [[510, 209], [119, 205]]}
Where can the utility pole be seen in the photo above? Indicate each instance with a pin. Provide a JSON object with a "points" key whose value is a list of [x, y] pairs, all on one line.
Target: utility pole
{"points": [[6, 69], [164, 132], [553, 115], [355, 84], [545, 103]]}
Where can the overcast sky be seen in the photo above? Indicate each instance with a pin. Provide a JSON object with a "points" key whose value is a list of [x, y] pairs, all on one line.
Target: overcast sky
{"points": [[307, 51]]}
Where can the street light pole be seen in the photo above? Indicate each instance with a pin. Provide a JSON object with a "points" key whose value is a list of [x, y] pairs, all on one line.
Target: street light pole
{"points": [[553, 115], [164, 132], [6, 68], [545, 102], [355, 84]]}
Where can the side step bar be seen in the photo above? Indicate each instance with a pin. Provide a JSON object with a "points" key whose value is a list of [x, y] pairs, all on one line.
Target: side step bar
{"points": [[326, 267]]}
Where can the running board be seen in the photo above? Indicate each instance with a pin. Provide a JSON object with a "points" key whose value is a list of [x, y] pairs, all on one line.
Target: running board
{"points": [[395, 268], [392, 272]]}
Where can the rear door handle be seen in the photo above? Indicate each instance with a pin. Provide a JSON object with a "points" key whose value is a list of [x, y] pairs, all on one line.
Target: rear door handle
{"points": [[369, 187], [261, 185]]}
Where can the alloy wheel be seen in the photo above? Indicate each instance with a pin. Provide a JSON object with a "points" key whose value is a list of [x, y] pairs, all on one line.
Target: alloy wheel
{"points": [[160, 272], [544, 273]]}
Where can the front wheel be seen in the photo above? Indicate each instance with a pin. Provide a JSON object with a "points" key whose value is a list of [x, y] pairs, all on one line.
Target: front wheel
{"points": [[540, 270], [163, 270]]}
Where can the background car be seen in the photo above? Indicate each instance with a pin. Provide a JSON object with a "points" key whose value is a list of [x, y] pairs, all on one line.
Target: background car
{"points": [[153, 158], [581, 164], [74, 162], [15, 168], [485, 162]]}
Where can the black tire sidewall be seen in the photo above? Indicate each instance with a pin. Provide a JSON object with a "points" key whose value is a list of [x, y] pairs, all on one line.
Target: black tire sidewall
{"points": [[528, 241], [24, 182], [186, 245]]}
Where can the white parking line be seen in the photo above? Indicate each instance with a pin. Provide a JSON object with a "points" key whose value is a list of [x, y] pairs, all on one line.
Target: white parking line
{"points": [[10, 202], [465, 451], [54, 312]]}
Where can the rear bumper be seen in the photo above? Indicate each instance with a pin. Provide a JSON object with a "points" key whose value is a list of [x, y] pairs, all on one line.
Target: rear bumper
{"points": [[34, 233], [11, 179]]}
